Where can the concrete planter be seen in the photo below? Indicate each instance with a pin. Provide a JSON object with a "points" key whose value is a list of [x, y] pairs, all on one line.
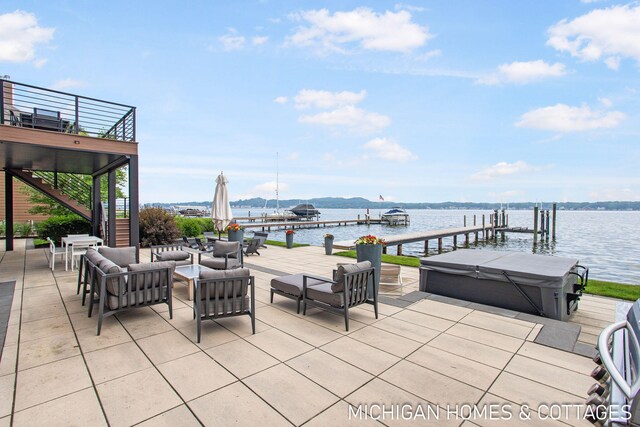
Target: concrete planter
{"points": [[373, 254], [236, 236], [328, 245]]}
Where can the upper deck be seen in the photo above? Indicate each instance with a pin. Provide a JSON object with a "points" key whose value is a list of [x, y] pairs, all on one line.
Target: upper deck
{"points": [[45, 129]]}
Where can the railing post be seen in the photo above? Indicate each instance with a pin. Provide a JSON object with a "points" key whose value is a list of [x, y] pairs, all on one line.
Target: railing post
{"points": [[1, 101], [134, 123], [77, 126], [55, 179]]}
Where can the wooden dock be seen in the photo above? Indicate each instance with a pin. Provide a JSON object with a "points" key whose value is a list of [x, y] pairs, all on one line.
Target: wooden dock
{"points": [[266, 226], [424, 236]]}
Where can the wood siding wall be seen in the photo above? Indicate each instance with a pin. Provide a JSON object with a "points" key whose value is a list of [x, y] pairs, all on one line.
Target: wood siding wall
{"points": [[21, 204]]}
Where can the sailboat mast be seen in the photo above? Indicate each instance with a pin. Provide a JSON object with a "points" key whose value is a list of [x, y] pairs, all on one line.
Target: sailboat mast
{"points": [[277, 183]]}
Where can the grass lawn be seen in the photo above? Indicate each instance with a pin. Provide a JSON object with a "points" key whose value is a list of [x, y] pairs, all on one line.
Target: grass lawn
{"points": [[283, 244], [595, 287]]}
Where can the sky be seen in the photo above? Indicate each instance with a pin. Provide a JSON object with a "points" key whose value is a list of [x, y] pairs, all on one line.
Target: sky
{"points": [[461, 100]]}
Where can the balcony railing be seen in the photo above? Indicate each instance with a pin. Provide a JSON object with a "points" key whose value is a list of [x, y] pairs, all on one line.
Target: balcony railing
{"points": [[46, 109]]}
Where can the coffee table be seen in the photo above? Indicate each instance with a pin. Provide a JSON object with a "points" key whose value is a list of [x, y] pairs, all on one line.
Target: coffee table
{"points": [[189, 273]]}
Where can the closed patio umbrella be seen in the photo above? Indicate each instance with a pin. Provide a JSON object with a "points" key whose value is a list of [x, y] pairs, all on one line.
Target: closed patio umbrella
{"points": [[221, 209]]}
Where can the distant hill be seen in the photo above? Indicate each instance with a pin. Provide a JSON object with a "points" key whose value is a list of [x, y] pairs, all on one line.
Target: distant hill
{"points": [[362, 203]]}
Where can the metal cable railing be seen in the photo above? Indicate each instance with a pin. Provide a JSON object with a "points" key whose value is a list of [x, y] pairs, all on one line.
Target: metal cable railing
{"points": [[70, 184], [46, 109]]}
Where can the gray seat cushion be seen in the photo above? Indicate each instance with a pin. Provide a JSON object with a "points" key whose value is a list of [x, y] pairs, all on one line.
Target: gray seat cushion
{"points": [[231, 285], [157, 278], [219, 263], [220, 249], [172, 256], [292, 284], [94, 256], [325, 294], [345, 269], [120, 256], [137, 297], [115, 285]]}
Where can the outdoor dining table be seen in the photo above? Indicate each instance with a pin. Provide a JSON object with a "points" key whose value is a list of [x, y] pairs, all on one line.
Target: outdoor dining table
{"points": [[70, 240]]}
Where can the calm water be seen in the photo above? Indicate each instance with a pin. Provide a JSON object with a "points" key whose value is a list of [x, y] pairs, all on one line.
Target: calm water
{"points": [[601, 240]]}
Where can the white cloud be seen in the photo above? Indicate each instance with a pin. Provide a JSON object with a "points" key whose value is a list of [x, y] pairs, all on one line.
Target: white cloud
{"points": [[615, 194], [323, 99], [362, 27], [232, 40], [409, 7], [349, 116], [564, 118], [386, 149], [606, 102], [293, 156], [259, 40], [67, 84], [524, 72], [424, 57], [610, 34], [281, 100], [19, 35], [499, 170]]}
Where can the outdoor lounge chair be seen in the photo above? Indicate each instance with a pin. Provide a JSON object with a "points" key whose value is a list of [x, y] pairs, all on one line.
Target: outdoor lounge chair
{"points": [[348, 289], [225, 256], [224, 293], [262, 235], [253, 246], [190, 243], [121, 288], [174, 253]]}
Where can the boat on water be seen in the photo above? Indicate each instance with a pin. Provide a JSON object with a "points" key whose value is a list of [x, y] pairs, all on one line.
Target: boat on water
{"points": [[305, 210], [396, 216]]}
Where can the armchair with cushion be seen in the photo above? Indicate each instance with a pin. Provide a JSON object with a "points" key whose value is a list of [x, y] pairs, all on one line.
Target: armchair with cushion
{"points": [[224, 293], [348, 289], [225, 256], [174, 253], [122, 257]]}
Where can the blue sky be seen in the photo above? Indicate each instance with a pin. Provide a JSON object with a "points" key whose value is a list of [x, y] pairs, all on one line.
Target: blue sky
{"points": [[419, 101]]}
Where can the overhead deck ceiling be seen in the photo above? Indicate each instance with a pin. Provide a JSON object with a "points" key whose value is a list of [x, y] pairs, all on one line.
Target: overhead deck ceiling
{"points": [[53, 151]]}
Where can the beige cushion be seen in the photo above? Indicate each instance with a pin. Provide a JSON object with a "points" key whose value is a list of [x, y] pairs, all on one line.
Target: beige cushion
{"points": [[94, 256], [172, 256], [220, 249], [345, 269], [120, 256]]}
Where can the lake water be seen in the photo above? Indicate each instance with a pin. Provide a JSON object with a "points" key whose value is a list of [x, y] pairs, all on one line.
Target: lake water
{"points": [[602, 240]]}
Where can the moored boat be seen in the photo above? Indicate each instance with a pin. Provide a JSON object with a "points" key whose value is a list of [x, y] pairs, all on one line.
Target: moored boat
{"points": [[396, 216]]}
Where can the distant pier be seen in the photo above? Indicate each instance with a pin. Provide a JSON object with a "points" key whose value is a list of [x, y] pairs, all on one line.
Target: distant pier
{"points": [[267, 226]]}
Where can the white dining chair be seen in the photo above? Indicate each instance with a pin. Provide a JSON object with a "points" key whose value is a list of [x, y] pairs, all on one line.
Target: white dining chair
{"points": [[54, 251], [79, 248]]}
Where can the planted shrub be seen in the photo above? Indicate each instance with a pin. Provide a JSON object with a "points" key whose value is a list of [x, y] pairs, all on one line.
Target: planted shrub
{"points": [[25, 229], [189, 227], [58, 227], [3, 229], [157, 227]]}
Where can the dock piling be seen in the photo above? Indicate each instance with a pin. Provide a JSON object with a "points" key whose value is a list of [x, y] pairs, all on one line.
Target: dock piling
{"points": [[535, 224], [455, 242], [399, 253], [439, 245], [553, 222]]}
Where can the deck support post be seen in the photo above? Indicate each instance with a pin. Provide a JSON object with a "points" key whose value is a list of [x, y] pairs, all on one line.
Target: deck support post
{"points": [[466, 240], [8, 210], [465, 220], [384, 249], [474, 220], [455, 242], [484, 229], [426, 247], [439, 244], [111, 239], [134, 204], [399, 253]]}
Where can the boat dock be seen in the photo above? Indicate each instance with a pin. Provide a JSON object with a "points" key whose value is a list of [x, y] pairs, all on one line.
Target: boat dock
{"points": [[266, 226], [267, 218], [424, 236]]}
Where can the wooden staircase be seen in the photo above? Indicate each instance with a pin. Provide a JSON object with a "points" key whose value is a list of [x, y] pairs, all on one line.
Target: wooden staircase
{"points": [[66, 201], [122, 232]]}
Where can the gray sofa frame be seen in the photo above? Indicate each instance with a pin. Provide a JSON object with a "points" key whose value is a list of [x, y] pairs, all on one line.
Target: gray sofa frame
{"points": [[157, 249]]}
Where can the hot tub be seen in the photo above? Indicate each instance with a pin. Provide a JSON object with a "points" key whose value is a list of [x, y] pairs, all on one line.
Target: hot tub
{"points": [[548, 286]]}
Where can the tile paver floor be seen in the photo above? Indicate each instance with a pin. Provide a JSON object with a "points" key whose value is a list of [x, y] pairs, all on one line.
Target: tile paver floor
{"points": [[146, 368]]}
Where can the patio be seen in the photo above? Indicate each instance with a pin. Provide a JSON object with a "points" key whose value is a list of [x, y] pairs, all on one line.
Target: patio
{"points": [[296, 369]]}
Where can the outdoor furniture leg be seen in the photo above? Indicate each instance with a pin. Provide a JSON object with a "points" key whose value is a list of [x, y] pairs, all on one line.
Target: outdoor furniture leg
{"points": [[272, 299]]}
